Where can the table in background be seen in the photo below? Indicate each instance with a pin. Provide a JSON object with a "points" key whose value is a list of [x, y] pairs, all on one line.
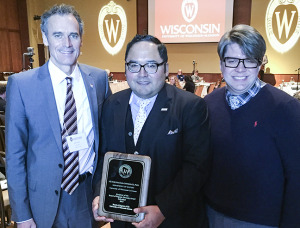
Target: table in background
{"points": [[117, 86], [289, 87], [205, 85]]}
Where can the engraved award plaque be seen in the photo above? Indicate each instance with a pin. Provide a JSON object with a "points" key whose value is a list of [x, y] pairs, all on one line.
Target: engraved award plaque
{"points": [[124, 186]]}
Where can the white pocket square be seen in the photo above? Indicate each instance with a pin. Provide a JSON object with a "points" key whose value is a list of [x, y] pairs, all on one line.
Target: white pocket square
{"points": [[173, 132]]}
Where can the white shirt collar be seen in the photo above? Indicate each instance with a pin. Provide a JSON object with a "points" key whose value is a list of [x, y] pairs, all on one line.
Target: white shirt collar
{"points": [[134, 98], [57, 75]]}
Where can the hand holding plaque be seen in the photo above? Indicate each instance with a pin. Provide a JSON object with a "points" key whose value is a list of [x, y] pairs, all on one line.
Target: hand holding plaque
{"points": [[124, 186]]}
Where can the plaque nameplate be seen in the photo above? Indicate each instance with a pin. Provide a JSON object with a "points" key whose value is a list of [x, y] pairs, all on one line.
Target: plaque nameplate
{"points": [[124, 186]]}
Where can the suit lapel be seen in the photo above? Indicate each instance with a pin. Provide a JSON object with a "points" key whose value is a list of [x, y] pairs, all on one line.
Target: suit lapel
{"points": [[90, 88], [120, 110], [155, 120], [50, 104]]}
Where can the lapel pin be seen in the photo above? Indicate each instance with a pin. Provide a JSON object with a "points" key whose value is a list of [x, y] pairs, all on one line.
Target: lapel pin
{"points": [[92, 85], [164, 109]]}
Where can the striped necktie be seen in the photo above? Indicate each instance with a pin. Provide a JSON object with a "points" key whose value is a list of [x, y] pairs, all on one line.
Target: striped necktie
{"points": [[70, 178]]}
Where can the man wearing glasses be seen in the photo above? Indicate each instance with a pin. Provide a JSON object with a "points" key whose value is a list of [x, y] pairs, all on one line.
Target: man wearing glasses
{"points": [[255, 131], [174, 133]]}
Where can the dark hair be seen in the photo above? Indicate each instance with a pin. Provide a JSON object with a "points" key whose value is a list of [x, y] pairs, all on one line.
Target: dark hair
{"points": [[248, 38], [60, 10], [160, 46], [188, 78]]}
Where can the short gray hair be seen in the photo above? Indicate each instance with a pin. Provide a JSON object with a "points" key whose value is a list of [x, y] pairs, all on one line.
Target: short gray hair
{"points": [[60, 10], [248, 38]]}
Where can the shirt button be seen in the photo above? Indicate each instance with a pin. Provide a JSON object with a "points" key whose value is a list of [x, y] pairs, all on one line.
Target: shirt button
{"points": [[130, 133], [135, 152], [56, 192], [60, 165]]}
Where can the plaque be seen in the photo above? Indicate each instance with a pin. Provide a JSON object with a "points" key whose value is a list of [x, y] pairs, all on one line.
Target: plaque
{"points": [[124, 186]]}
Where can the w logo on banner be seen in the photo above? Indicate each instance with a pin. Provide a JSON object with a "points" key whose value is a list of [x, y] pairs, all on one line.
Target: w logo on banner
{"points": [[111, 30], [283, 24], [189, 10], [112, 26]]}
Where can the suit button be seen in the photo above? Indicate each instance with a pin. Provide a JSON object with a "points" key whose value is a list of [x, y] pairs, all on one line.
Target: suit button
{"points": [[130, 133], [60, 165], [56, 192], [135, 152]]}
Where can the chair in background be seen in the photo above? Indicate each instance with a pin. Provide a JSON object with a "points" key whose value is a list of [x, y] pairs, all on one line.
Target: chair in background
{"points": [[211, 88], [5, 210], [2, 138], [222, 84], [217, 84], [2, 118], [199, 89], [2, 210]]}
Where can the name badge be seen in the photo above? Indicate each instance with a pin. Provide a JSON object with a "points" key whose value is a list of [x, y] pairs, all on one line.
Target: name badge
{"points": [[77, 142]]}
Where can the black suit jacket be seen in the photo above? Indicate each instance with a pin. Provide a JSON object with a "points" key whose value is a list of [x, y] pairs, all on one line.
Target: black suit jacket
{"points": [[176, 137]]}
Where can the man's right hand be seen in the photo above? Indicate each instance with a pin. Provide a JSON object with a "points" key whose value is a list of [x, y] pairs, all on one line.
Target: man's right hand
{"points": [[28, 224], [95, 207]]}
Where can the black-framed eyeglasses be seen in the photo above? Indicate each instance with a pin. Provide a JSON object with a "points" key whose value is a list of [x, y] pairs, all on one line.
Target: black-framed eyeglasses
{"points": [[234, 62], [150, 68]]}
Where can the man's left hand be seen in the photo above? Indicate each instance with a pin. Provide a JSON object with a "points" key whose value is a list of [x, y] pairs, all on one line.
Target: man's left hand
{"points": [[153, 217]]}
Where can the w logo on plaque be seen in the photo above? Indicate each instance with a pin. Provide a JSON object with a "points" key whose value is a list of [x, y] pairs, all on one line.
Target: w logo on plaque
{"points": [[283, 24], [112, 26], [125, 171], [189, 10]]}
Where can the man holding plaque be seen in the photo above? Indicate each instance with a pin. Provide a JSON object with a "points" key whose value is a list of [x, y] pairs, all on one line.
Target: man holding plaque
{"points": [[167, 124]]}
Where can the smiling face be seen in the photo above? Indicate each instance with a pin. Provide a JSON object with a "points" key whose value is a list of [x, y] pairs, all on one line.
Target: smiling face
{"points": [[64, 41], [239, 80], [146, 85]]}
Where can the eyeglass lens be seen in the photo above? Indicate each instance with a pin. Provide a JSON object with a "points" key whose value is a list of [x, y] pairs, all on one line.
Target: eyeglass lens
{"points": [[234, 62], [150, 68]]}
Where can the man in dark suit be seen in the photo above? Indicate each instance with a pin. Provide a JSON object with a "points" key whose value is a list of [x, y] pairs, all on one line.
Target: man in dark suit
{"points": [[175, 135], [52, 133]]}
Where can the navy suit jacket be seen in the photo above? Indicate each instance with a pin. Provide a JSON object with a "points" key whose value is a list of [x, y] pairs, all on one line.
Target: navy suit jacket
{"points": [[33, 140], [176, 137]]}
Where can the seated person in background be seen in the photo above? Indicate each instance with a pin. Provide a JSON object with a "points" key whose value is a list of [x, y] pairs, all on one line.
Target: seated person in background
{"points": [[174, 81], [2, 97], [180, 76], [109, 75], [195, 76], [255, 131], [263, 66], [189, 84]]}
